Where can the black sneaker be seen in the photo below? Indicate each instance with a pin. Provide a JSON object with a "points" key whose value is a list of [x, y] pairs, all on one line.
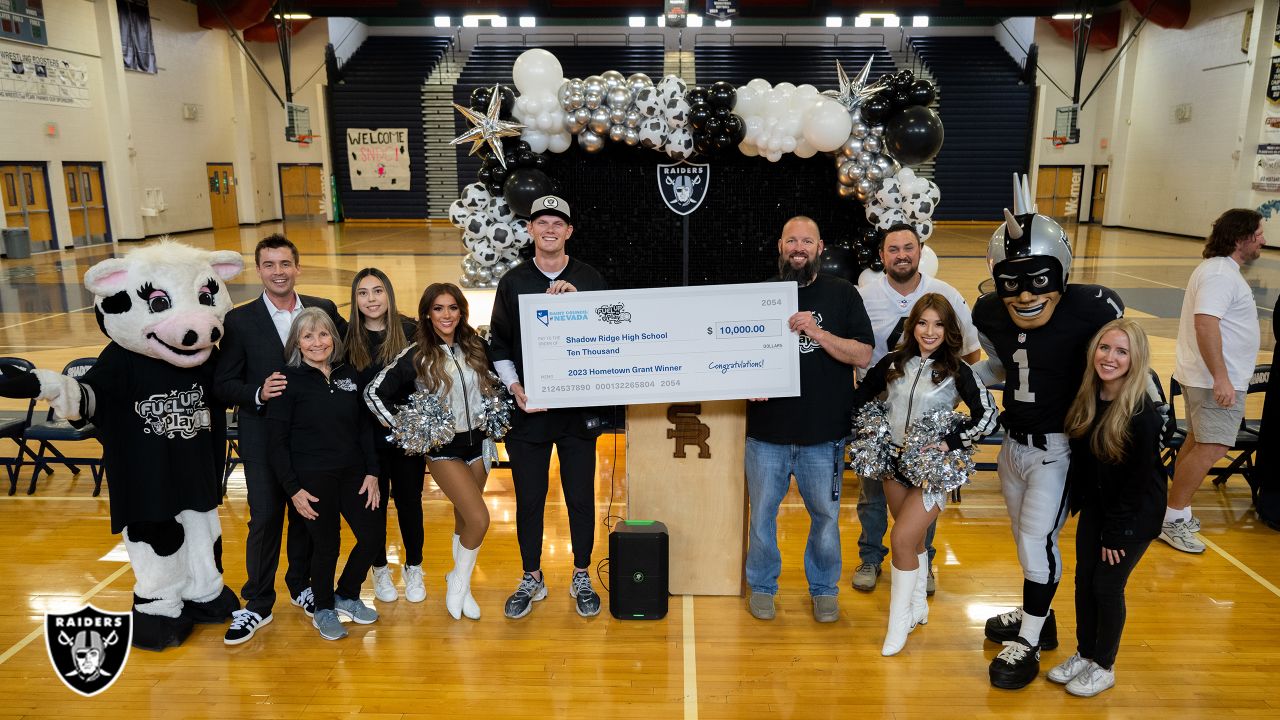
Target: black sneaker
{"points": [[522, 600], [244, 623], [587, 600], [1016, 665], [1006, 626], [307, 601]]}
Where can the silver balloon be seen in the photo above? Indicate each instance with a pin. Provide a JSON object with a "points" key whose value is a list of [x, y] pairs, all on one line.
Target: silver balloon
{"points": [[499, 269], [618, 116], [633, 118], [469, 264], [575, 101], [851, 147], [613, 79], [576, 85], [617, 133], [638, 82], [865, 158], [599, 121], [590, 141], [862, 196], [593, 99], [582, 115], [572, 124], [856, 115], [484, 275], [865, 187], [619, 98], [631, 137], [871, 144], [859, 130], [875, 173], [562, 95], [849, 174], [877, 130], [885, 164], [846, 191], [593, 84], [466, 282]]}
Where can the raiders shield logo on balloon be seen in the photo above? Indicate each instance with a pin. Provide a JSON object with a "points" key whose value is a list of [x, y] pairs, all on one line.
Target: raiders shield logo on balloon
{"points": [[683, 185]]}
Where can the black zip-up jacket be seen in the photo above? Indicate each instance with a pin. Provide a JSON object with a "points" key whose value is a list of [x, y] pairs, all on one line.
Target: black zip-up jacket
{"points": [[319, 424], [1132, 495]]}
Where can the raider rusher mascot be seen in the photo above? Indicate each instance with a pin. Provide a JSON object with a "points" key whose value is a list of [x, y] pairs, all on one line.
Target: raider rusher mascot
{"points": [[162, 432], [1036, 330]]}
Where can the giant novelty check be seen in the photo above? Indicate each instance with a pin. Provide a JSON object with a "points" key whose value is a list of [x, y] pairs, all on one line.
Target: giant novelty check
{"points": [[618, 347]]}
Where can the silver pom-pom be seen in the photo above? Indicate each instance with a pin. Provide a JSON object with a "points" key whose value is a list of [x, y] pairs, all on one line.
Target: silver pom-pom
{"points": [[872, 446], [423, 424], [935, 472], [495, 417]]}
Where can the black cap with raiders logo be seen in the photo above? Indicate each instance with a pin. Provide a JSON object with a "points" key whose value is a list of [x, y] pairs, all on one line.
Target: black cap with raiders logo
{"points": [[550, 205]]}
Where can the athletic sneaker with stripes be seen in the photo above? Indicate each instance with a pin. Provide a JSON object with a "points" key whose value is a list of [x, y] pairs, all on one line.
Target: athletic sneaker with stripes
{"points": [[1006, 626], [529, 591], [588, 602], [244, 623]]}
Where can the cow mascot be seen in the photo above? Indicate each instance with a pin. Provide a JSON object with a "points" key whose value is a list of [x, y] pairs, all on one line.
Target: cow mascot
{"points": [[162, 433]]}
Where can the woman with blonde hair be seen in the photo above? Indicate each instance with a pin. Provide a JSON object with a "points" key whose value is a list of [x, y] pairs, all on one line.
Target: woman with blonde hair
{"points": [[1118, 486], [449, 360], [376, 334]]}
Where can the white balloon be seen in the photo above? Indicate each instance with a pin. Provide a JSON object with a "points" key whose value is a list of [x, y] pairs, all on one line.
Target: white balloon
{"points": [[868, 277], [785, 88], [559, 142], [788, 144], [534, 105], [760, 85], [748, 149], [827, 125], [928, 261], [537, 70], [537, 140], [745, 102], [906, 176], [544, 122], [804, 149]]}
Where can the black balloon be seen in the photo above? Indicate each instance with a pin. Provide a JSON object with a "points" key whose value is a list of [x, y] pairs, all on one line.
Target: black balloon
{"points": [[898, 96], [698, 116], [913, 135], [736, 128], [498, 175], [713, 126], [921, 93], [697, 95], [864, 256], [839, 262], [870, 238], [523, 186], [723, 95], [877, 265], [724, 141], [480, 98], [876, 109], [508, 100], [485, 174], [722, 113]]}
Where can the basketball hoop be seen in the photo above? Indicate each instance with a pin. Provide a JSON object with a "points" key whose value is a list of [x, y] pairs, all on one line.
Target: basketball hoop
{"points": [[1058, 140], [305, 140]]}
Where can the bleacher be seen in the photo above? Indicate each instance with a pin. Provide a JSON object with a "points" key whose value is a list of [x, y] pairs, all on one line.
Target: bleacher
{"points": [[796, 64], [987, 116], [380, 87], [490, 64]]}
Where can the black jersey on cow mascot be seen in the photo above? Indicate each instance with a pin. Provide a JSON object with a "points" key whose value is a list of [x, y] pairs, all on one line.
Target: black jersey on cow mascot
{"points": [[162, 432]]}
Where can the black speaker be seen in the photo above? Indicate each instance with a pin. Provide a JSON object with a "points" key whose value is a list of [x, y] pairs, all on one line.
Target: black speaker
{"points": [[638, 580]]}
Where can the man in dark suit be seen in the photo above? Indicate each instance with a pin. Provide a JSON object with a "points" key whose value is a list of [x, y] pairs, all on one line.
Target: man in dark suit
{"points": [[248, 375]]}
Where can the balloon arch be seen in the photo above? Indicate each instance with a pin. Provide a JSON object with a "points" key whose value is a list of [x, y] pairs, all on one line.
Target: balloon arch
{"points": [[874, 132]]}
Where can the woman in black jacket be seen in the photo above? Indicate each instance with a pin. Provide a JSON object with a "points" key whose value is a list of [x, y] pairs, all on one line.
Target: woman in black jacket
{"points": [[321, 450], [1118, 486], [376, 333]]}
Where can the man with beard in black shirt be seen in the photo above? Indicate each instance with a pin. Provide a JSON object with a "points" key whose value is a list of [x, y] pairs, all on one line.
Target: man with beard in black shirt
{"points": [[573, 431], [805, 436]]}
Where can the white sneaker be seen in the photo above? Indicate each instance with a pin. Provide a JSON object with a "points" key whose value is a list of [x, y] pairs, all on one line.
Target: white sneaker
{"points": [[414, 590], [1092, 681], [1068, 670], [384, 588], [1180, 535], [1194, 524]]}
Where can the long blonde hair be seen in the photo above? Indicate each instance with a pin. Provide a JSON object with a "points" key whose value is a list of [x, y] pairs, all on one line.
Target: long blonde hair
{"points": [[358, 340], [1109, 434], [432, 362]]}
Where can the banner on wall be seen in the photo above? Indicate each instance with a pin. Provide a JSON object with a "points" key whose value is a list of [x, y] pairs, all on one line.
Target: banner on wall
{"points": [[40, 79], [379, 158], [1266, 168]]}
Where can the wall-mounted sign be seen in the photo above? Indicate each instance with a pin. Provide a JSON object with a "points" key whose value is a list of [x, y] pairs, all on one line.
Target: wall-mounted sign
{"points": [[23, 20], [379, 158]]}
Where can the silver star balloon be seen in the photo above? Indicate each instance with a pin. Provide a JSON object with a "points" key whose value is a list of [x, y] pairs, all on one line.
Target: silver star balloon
{"points": [[853, 92], [487, 127]]}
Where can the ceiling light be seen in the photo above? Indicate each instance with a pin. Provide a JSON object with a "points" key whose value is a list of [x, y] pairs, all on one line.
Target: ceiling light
{"points": [[474, 20], [662, 21], [442, 21], [695, 21], [292, 16], [891, 21], [526, 21], [1072, 16], [499, 21], [834, 22], [470, 21], [920, 21], [635, 21], [862, 21], [724, 23]]}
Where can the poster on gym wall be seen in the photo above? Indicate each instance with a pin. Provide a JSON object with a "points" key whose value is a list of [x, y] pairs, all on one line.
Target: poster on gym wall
{"points": [[41, 79], [379, 158], [1266, 169]]}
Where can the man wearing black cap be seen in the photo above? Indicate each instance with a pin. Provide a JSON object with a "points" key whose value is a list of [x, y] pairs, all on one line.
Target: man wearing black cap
{"points": [[572, 431]]}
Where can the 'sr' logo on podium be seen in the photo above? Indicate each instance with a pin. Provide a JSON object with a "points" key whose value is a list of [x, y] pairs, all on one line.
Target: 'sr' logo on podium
{"points": [[688, 430]]}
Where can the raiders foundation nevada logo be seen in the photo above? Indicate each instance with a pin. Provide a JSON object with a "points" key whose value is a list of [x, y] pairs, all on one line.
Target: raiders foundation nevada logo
{"points": [[88, 648], [688, 430], [683, 185]]}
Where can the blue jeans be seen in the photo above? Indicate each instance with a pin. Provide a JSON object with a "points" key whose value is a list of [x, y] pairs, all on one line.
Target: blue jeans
{"points": [[873, 516], [818, 470]]}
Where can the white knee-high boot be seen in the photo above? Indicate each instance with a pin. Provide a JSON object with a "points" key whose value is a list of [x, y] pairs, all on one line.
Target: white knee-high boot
{"points": [[900, 615], [470, 608], [919, 598], [458, 583]]}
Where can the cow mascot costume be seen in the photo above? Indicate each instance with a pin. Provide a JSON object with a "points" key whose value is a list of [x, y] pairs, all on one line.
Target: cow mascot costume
{"points": [[1036, 331], [162, 433]]}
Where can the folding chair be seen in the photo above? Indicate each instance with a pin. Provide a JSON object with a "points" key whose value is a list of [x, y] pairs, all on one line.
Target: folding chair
{"points": [[1247, 437], [14, 425], [233, 447], [53, 430]]}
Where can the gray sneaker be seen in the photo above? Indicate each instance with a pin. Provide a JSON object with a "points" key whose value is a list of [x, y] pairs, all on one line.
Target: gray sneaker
{"points": [[931, 586], [585, 597], [825, 608], [527, 593], [866, 576], [330, 627], [761, 606], [355, 610], [1180, 535]]}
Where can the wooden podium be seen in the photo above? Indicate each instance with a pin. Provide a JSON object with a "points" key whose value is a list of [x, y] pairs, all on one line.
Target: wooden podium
{"points": [[684, 468]]}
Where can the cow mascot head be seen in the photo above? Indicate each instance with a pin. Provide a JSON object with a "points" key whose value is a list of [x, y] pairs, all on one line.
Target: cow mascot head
{"points": [[1030, 259]]}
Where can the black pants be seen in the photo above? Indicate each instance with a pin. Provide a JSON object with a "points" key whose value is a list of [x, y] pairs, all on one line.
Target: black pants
{"points": [[402, 479], [267, 507], [339, 493], [1100, 609], [530, 468]]}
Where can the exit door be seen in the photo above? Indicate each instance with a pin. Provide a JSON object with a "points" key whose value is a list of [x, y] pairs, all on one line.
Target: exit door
{"points": [[87, 203], [24, 190], [301, 194], [1099, 204], [222, 196]]}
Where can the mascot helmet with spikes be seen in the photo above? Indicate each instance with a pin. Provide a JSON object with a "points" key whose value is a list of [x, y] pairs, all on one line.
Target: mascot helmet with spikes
{"points": [[1026, 234]]}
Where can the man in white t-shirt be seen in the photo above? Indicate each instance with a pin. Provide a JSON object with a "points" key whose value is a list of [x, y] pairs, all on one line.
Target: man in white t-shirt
{"points": [[889, 299], [1218, 341]]}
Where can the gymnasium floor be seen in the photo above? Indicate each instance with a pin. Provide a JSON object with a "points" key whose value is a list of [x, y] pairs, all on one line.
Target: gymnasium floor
{"points": [[1201, 639]]}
